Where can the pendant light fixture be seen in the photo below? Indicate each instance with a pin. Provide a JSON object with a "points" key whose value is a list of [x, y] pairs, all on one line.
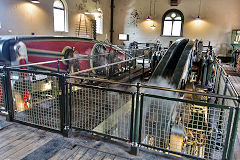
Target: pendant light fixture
{"points": [[153, 27], [198, 17], [35, 1], [148, 18]]}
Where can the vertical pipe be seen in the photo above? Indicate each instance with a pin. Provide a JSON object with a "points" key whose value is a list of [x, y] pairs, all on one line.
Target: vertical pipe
{"points": [[111, 21]]}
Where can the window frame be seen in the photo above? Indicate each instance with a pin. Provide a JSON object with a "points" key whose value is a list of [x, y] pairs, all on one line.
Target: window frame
{"points": [[163, 20], [65, 15]]}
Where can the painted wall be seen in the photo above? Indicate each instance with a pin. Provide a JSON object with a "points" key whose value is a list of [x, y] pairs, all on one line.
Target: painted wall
{"points": [[218, 18], [20, 17]]}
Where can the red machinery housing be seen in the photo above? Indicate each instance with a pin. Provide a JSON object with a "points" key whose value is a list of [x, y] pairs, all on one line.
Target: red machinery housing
{"points": [[18, 50]]}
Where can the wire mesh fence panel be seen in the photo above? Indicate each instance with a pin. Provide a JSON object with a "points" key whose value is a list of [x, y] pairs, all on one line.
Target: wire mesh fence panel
{"points": [[195, 130], [36, 99], [102, 111]]}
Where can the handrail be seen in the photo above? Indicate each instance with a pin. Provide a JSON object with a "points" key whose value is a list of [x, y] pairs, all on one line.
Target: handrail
{"points": [[59, 60], [229, 80], [156, 87], [190, 92], [101, 80]]}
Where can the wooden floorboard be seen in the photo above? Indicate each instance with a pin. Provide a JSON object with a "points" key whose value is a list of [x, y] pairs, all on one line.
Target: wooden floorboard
{"points": [[99, 156], [79, 153], [109, 157], [235, 79], [89, 154], [20, 142], [18, 145], [28, 149]]}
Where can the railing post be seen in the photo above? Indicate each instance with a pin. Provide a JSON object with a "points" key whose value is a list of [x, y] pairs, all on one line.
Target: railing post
{"points": [[125, 62], [225, 88], [204, 78], [234, 131], [219, 79], [141, 120], [215, 76], [226, 145], [129, 71], [8, 101], [58, 66], [89, 65], [64, 111], [132, 118], [107, 71], [134, 146], [143, 64]]}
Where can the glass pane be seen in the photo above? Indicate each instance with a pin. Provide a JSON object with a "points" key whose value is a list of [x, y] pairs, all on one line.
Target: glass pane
{"points": [[173, 14], [58, 4], [178, 18], [168, 18], [167, 28], [176, 28], [99, 23], [59, 19]]}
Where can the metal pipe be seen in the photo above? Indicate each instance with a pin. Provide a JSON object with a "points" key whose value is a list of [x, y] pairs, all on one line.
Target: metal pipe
{"points": [[111, 21]]}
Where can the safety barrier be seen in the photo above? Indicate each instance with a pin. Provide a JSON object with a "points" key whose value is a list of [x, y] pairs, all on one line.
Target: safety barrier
{"points": [[198, 129], [224, 86], [108, 112], [146, 116]]}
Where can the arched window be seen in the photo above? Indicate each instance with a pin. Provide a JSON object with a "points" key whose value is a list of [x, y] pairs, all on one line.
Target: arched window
{"points": [[60, 16], [172, 23]]}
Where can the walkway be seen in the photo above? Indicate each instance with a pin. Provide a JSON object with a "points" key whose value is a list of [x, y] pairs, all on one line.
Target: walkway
{"points": [[23, 142], [235, 79]]}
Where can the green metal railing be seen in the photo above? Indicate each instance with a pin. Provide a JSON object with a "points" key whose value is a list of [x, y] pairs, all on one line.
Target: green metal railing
{"points": [[146, 116], [223, 84]]}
